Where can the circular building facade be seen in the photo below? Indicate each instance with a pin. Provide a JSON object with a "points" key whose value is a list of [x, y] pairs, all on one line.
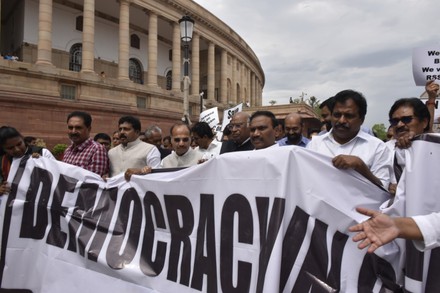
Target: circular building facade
{"points": [[114, 58]]}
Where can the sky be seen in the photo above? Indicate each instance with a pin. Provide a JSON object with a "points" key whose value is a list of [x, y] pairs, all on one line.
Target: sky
{"points": [[320, 47]]}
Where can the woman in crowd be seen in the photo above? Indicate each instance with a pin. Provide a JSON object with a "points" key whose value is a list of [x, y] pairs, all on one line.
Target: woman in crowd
{"points": [[13, 146]]}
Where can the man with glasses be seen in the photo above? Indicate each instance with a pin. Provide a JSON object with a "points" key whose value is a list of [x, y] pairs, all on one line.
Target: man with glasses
{"points": [[183, 155], [408, 117], [239, 140]]}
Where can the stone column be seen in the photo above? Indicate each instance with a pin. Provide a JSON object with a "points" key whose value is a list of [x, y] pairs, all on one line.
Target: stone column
{"points": [[224, 77], [195, 65], [245, 85], [255, 90], [233, 80], [124, 39], [88, 45], [44, 55], [242, 83], [152, 50], [260, 94], [211, 71], [252, 81], [177, 60], [249, 88]]}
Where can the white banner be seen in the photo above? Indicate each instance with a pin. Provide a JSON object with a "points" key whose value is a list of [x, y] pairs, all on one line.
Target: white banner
{"points": [[228, 113], [272, 220], [418, 194], [210, 116], [426, 64]]}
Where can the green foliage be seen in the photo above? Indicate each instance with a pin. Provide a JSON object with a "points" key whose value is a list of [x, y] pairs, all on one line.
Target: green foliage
{"points": [[314, 103], [380, 131], [272, 102], [59, 149]]}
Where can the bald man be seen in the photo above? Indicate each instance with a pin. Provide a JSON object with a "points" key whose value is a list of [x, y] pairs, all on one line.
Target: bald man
{"points": [[293, 128], [239, 140]]}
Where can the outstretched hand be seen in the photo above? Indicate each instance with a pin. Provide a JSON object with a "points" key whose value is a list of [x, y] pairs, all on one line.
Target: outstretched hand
{"points": [[379, 230]]}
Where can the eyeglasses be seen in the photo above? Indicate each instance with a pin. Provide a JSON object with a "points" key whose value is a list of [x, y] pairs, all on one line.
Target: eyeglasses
{"points": [[236, 125], [178, 139], [404, 119]]}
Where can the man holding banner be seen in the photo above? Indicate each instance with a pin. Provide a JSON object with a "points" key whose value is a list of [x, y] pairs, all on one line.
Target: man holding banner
{"points": [[350, 147], [183, 155]]}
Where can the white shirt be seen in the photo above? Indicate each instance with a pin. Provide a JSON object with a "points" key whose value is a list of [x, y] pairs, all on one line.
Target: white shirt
{"points": [[371, 150], [212, 151], [429, 225]]}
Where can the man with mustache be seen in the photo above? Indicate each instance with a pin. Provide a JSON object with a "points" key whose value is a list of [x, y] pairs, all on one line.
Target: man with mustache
{"points": [[84, 152], [262, 129], [293, 128], [132, 155], [408, 117], [350, 147]]}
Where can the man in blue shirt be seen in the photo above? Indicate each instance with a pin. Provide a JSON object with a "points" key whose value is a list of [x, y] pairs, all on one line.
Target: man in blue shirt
{"points": [[293, 128]]}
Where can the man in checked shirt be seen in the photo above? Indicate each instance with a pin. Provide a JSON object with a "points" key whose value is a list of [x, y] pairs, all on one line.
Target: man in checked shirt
{"points": [[84, 152]]}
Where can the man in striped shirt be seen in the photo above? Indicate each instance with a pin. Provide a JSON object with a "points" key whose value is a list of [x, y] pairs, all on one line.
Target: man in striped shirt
{"points": [[84, 152]]}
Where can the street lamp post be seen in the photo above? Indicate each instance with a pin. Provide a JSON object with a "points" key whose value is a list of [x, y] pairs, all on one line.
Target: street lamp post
{"points": [[186, 31], [201, 101]]}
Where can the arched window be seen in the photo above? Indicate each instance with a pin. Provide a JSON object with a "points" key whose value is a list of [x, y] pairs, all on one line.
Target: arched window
{"points": [[79, 23], [75, 57], [135, 71], [135, 41], [169, 80]]}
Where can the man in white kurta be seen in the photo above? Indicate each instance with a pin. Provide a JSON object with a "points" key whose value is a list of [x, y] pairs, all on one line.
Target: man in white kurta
{"points": [[183, 155], [132, 153]]}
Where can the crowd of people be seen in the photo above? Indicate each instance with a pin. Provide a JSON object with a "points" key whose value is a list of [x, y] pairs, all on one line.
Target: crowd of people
{"points": [[131, 151]]}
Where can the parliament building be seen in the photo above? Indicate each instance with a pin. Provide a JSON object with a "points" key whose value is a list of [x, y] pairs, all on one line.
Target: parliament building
{"points": [[117, 57]]}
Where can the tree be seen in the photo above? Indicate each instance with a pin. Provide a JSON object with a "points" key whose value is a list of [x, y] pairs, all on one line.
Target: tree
{"points": [[272, 102], [313, 102], [380, 131]]}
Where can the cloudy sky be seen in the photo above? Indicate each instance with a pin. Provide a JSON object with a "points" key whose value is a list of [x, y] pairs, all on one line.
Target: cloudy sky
{"points": [[320, 47]]}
